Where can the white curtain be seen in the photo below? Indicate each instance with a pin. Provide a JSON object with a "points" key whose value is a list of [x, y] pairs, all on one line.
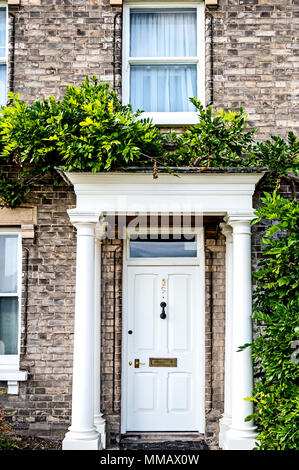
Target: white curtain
{"points": [[8, 263], [163, 33], [163, 88]]}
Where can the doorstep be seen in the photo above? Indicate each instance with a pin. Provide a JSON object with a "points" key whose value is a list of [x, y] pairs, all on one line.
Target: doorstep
{"points": [[181, 441]]}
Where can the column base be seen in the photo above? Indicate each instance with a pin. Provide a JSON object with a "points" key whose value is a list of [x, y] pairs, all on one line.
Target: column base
{"points": [[73, 442], [100, 425], [236, 439], [224, 425]]}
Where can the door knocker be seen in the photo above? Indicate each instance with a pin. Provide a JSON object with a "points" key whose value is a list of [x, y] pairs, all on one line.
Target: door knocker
{"points": [[163, 314]]}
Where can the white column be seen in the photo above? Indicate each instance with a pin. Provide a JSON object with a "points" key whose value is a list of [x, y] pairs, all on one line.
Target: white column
{"points": [[242, 434], [99, 421], [82, 434], [225, 421]]}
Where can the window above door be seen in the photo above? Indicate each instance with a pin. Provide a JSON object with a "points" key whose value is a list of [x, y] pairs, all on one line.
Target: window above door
{"points": [[163, 60], [163, 246]]}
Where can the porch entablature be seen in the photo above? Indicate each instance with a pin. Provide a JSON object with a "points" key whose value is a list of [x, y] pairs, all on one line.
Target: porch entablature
{"points": [[131, 192]]}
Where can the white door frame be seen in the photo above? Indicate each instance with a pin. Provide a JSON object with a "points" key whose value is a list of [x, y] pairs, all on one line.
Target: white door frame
{"points": [[199, 264]]}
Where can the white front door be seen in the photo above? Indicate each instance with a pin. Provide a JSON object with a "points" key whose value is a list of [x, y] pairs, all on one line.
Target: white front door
{"points": [[163, 388]]}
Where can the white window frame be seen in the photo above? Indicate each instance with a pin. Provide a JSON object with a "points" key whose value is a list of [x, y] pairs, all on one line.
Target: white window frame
{"points": [[165, 118], [13, 360], [169, 261], [10, 363], [4, 59]]}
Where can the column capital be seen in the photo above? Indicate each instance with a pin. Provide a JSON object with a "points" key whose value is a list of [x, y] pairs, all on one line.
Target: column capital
{"points": [[239, 217], [240, 223], [78, 217]]}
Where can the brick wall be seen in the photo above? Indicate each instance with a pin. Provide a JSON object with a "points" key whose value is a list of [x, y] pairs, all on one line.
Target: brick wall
{"points": [[250, 54], [215, 333], [112, 251], [60, 42], [48, 287], [255, 61]]}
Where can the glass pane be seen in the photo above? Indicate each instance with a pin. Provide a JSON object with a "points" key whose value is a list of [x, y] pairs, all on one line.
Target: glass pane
{"points": [[8, 263], [8, 325], [163, 88], [163, 33], [172, 247], [2, 32], [3, 85]]}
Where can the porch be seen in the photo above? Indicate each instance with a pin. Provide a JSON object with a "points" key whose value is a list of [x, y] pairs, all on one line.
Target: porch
{"points": [[193, 196]]}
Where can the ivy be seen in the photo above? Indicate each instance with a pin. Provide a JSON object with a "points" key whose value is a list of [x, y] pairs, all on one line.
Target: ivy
{"points": [[276, 306]]}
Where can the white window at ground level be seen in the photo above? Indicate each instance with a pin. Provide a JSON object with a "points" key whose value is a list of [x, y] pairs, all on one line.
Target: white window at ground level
{"points": [[10, 292], [3, 55], [164, 60]]}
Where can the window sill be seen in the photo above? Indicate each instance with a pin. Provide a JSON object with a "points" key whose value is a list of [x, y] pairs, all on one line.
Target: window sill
{"points": [[13, 377], [172, 119]]}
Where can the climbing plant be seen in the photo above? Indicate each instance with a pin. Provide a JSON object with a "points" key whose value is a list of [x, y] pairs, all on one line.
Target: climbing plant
{"points": [[90, 130], [219, 139], [275, 351]]}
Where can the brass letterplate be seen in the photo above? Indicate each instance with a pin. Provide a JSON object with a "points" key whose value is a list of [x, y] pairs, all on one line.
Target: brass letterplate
{"points": [[163, 362]]}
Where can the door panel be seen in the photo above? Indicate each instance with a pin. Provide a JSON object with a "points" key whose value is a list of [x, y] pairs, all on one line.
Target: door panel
{"points": [[179, 392], [144, 306], [179, 319], [162, 398], [145, 391]]}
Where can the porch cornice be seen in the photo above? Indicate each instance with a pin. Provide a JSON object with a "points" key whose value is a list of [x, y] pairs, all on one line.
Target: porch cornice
{"points": [[130, 192]]}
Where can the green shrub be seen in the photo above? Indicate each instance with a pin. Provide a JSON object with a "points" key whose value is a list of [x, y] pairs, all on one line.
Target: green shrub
{"points": [[88, 130], [220, 139], [276, 302], [280, 156], [7, 440]]}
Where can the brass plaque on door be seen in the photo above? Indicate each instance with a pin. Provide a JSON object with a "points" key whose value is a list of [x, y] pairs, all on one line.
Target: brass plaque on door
{"points": [[163, 362]]}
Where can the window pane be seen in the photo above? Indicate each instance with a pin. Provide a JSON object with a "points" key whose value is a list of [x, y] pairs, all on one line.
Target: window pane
{"points": [[3, 80], [163, 33], [8, 325], [2, 32], [163, 88], [185, 247], [8, 263]]}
